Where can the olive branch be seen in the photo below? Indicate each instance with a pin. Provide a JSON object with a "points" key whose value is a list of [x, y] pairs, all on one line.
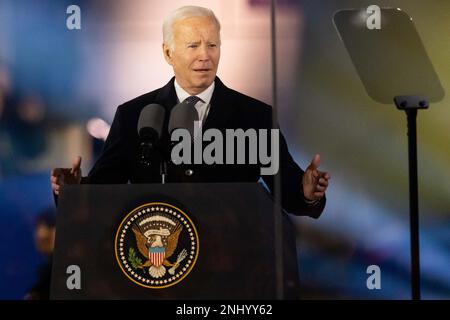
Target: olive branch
{"points": [[135, 261]]}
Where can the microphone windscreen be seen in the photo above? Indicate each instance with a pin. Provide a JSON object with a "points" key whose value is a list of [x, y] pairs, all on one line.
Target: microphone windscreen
{"points": [[151, 117], [183, 116]]}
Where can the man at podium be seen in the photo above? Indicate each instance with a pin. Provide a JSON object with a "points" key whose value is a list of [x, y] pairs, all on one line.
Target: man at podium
{"points": [[191, 45]]}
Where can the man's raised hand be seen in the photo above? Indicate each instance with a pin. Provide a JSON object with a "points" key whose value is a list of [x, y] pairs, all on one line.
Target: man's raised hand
{"points": [[62, 176], [315, 182]]}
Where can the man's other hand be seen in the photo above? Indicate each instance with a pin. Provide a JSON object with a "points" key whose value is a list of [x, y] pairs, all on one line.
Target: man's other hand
{"points": [[315, 182], [62, 176]]}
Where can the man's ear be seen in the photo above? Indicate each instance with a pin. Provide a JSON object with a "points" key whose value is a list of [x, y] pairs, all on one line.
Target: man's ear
{"points": [[167, 54]]}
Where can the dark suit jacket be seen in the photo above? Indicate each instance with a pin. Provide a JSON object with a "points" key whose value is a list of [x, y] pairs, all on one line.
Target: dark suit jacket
{"points": [[118, 162]]}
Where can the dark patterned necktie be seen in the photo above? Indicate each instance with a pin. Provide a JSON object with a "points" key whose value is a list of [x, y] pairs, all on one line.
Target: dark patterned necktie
{"points": [[191, 101]]}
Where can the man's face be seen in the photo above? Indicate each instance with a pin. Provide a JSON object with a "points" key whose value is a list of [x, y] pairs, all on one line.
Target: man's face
{"points": [[196, 54], [44, 238]]}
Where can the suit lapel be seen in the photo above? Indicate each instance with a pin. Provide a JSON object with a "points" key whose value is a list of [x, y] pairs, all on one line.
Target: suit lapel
{"points": [[222, 107], [167, 97]]}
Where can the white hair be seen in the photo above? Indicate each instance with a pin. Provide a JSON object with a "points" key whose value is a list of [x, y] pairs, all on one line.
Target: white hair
{"points": [[183, 13]]}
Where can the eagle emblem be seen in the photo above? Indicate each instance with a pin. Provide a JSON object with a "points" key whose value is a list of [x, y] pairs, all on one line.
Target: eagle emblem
{"points": [[156, 245]]}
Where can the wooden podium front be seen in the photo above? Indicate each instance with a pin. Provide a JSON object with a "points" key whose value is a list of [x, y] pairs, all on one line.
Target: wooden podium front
{"points": [[228, 245]]}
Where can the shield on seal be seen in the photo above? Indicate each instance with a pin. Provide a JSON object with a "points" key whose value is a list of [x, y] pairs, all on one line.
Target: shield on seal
{"points": [[156, 255]]}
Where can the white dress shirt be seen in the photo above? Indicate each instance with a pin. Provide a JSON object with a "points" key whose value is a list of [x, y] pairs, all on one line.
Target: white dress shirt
{"points": [[203, 105]]}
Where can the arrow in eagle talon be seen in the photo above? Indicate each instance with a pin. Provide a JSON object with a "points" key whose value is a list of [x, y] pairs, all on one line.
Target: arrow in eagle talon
{"points": [[181, 256]]}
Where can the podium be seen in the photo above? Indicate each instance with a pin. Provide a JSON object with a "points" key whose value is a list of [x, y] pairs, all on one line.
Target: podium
{"points": [[103, 232]]}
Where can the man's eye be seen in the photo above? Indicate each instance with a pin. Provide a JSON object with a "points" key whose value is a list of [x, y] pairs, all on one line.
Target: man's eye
{"points": [[212, 45], [192, 46]]}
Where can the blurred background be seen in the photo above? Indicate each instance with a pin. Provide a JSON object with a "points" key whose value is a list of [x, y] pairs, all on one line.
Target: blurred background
{"points": [[59, 90]]}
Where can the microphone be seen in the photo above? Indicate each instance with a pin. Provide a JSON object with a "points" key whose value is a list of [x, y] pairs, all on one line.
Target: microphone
{"points": [[183, 116], [149, 129]]}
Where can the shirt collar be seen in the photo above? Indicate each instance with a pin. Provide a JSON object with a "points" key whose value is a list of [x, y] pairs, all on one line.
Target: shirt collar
{"points": [[205, 95]]}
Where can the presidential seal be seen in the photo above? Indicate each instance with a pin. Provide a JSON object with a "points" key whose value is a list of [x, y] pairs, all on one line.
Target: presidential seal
{"points": [[156, 245]]}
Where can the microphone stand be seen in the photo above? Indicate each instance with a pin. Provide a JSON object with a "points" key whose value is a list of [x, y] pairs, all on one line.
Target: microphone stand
{"points": [[146, 147], [163, 171]]}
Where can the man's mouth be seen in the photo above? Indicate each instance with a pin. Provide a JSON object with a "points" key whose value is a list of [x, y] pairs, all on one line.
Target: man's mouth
{"points": [[203, 70]]}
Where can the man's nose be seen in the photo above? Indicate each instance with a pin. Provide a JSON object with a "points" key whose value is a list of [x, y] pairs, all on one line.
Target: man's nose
{"points": [[203, 54]]}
